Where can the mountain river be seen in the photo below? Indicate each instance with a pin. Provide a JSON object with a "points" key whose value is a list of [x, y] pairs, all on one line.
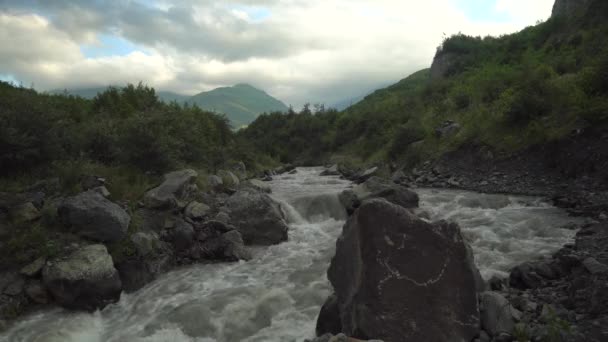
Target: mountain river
{"points": [[277, 295]]}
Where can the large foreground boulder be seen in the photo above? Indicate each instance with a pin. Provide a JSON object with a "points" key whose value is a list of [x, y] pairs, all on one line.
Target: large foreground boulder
{"points": [[175, 186], [86, 279], [257, 217], [399, 278], [93, 216]]}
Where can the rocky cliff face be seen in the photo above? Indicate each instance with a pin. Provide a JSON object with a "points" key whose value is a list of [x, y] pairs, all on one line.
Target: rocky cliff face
{"points": [[563, 8]]}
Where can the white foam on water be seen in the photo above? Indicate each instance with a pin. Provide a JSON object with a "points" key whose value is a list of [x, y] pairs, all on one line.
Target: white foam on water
{"points": [[277, 295], [503, 230]]}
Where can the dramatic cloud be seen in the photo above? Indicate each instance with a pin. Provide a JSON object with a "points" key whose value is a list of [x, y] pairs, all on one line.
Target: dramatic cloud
{"points": [[297, 50]]}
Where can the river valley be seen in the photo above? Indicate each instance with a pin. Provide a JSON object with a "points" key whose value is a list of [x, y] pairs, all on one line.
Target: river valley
{"points": [[277, 295]]}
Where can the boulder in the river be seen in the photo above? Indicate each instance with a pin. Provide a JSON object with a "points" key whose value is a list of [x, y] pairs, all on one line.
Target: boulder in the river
{"points": [[331, 171], [93, 216], [376, 187], [85, 279], [176, 185], [399, 278], [257, 217], [365, 175]]}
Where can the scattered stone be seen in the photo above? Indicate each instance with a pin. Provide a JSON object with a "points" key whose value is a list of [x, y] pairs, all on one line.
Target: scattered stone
{"points": [[228, 178], [257, 217], [215, 182], [146, 243], [93, 216], [89, 182], [197, 211], [86, 279], [388, 264], [176, 186], [181, 235], [524, 277], [34, 268]]}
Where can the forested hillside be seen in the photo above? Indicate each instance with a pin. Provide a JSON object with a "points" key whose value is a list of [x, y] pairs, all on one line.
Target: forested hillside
{"points": [[507, 93]]}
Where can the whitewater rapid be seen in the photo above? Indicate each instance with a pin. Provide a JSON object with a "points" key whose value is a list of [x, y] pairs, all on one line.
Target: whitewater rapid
{"points": [[277, 295]]}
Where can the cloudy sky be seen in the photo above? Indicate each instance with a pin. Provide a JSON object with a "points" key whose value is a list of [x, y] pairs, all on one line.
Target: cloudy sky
{"points": [[319, 51]]}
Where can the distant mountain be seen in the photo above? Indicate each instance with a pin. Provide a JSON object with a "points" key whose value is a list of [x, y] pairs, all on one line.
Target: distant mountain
{"points": [[241, 103]]}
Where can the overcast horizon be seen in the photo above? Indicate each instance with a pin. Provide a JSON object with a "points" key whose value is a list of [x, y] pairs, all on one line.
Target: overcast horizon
{"points": [[297, 51]]}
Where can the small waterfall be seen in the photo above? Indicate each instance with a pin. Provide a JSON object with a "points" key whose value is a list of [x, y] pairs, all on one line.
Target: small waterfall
{"points": [[319, 208]]}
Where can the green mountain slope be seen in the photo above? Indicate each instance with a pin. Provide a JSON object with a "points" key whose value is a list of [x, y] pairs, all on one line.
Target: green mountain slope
{"points": [[506, 93], [242, 103]]}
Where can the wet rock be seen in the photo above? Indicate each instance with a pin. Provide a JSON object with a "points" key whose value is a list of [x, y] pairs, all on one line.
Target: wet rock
{"points": [[176, 186], [180, 235], [524, 277], [349, 200], [257, 217], [376, 187], [331, 171], [34, 268], [496, 314], [391, 267], [36, 292], [137, 272], [85, 279], [365, 175], [328, 320], [93, 216], [256, 184], [197, 211]]}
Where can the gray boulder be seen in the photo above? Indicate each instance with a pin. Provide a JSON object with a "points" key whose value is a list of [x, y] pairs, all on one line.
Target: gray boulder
{"points": [[196, 210], [93, 216], [447, 129], [228, 178], [86, 279], [257, 217], [180, 235], [331, 171], [399, 278], [496, 314], [365, 175], [176, 185]]}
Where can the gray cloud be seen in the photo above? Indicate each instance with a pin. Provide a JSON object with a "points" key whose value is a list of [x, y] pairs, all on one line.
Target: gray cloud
{"points": [[304, 51]]}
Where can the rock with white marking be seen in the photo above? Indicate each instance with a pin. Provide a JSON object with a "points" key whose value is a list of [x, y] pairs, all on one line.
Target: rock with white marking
{"points": [[399, 278]]}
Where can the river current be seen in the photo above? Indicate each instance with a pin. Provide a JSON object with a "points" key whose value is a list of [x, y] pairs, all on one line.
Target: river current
{"points": [[277, 295]]}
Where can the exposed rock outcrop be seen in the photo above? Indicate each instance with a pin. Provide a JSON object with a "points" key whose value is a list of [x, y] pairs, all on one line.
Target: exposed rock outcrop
{"points": [[257, 217], [92, 216], [566, 8], [86, 279], [256, 184], [398, 278], [176, 185]]}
